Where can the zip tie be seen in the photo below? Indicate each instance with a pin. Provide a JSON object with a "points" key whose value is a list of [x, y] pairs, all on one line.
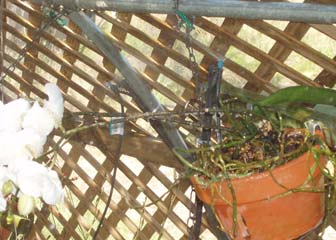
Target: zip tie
{"points": [[54, 15], [185, 20], [220, 64]]}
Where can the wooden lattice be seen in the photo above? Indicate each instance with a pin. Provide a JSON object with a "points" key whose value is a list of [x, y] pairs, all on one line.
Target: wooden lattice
{"points": [[260, 55]]}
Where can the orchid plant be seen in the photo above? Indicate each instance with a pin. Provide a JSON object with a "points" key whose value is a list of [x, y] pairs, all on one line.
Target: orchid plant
{"points": [[24, 128]]}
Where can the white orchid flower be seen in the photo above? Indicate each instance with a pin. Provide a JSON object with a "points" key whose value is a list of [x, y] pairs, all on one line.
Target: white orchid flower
{"points": [[31, 142], [12, 114], [55, 102], [44, 119], [36, 180], [24, 144], [39, 119], [23, 133]]}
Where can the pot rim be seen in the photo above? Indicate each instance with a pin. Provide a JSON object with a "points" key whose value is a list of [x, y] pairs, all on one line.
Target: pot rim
{"points": [[261, 186]]}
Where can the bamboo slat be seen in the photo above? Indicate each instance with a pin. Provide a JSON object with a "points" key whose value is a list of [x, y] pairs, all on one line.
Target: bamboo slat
{"points": [[280, 51]]}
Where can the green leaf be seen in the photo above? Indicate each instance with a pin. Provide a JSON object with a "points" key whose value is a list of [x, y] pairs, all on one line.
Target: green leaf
{"points": [[300, 94]]}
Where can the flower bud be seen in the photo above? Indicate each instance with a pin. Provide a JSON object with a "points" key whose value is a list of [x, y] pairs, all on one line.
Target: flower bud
{"points": [[7, 188], [9, 218], [26, 205]]}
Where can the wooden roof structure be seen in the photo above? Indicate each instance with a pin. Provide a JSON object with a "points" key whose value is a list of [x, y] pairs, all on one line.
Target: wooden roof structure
{"points": [[260, 55]]}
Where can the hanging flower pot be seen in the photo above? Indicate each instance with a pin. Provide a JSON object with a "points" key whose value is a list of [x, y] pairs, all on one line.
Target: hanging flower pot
{"points": [[264, 177], [279, 204], [4, 233]]}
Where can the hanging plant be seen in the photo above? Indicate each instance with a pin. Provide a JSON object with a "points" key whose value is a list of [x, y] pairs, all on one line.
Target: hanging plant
{"points": [[265, 178]]}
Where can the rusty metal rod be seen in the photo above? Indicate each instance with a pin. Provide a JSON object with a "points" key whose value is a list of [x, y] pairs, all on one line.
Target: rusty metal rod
{"points": [[296, 12]]}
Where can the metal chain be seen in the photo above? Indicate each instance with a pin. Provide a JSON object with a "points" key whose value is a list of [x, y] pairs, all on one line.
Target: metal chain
{"points": [[11, 68], [189, 26], [192, 58], [192, 220], [176, 5]]}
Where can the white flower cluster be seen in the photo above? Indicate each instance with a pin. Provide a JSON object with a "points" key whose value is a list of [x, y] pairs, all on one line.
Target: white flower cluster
{"points": [[23, 133]]}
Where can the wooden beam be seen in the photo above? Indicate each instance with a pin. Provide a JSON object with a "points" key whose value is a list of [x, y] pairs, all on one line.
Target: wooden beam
{"points": [[137, 146]]}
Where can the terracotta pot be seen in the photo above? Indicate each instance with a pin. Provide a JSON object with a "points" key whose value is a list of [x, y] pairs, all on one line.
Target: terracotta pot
{"points": [[264, 211], [4, 233]]}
